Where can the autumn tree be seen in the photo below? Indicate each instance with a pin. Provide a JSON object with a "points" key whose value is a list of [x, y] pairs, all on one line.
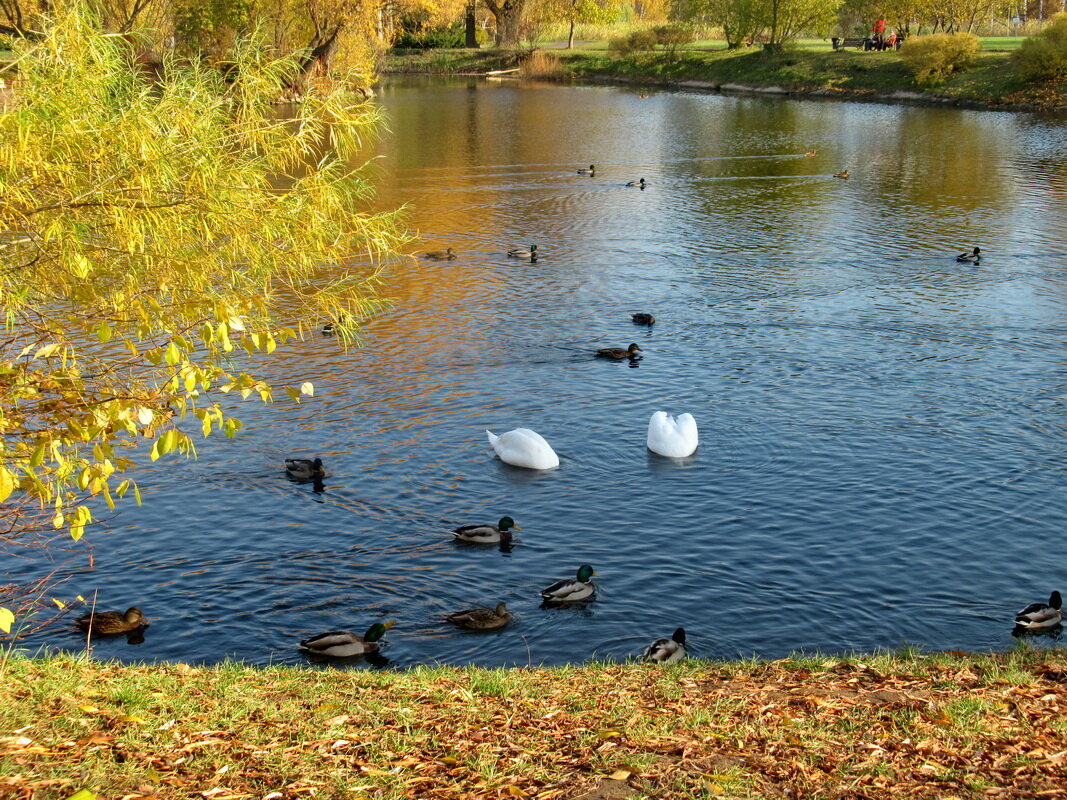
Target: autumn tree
{"points": [[575, 11], [159, 236], [784, 20], [740, 20]]}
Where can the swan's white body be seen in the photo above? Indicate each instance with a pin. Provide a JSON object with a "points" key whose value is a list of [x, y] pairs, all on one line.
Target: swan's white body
{"points": [[670, 437], [523, 447]]}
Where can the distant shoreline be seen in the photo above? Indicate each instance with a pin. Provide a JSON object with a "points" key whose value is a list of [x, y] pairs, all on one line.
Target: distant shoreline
{"points": [[989, 84]]}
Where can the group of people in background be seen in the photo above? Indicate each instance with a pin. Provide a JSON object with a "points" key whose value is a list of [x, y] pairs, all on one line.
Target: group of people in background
{"points": [[878, 39]]}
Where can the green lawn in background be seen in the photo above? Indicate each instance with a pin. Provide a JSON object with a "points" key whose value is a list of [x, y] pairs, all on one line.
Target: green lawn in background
{"points": [[988, 43]]}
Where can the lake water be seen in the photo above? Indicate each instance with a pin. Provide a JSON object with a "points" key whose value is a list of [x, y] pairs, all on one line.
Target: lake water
{"points": [[882, 429]]}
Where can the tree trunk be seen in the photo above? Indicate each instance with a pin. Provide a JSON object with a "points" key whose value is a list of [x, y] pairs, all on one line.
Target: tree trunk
{"points": [[570, 37], [508, 14], [472, 27]]}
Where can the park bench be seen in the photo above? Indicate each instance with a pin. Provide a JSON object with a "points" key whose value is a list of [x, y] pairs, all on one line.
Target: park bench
{"points": [[850, 41]]}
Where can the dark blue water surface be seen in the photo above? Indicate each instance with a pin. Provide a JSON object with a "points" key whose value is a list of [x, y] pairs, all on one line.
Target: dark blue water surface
{"points": [[882, 429]]}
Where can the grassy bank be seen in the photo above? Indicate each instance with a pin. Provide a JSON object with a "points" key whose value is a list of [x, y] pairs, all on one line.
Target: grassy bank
{"points": [[939, 726], [852, 74]]}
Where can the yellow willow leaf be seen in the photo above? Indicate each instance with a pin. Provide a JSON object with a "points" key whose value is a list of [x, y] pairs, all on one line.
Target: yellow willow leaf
{"points": [[168, 441], [80, 266], [172, 355], [205, 426], [308, 388], [271, 344], [7, 483], [47, 350], [58, 520], [103, 333], [237, 325], [6, 620], [145, 415], [38, 455], [190, 381], [59, 602]]}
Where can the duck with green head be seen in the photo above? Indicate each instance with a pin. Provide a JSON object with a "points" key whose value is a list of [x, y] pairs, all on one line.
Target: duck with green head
{"points": [[345, 644], [590, 171], [524, 252], [487, 533], [572, 590]]}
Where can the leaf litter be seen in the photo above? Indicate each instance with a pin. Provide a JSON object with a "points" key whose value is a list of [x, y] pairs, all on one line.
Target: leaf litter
{"points": [[940, 727]]}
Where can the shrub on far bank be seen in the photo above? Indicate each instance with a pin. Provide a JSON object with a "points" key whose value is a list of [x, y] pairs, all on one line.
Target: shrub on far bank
{"points": [[1045, 54], [669, 37], [933, 58]]}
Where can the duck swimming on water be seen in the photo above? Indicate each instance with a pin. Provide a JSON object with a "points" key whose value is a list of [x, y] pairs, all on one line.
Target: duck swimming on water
{"points": [[972, 257], [1041, 616], [667, 651], [304, 469], [481, 619], [572, 590], [524, 252], [111, 622], [618, 353], [345, 644], [487, 533]]}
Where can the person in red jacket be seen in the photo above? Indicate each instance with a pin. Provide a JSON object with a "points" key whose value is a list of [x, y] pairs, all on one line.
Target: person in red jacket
{"points": [[879, 34]]}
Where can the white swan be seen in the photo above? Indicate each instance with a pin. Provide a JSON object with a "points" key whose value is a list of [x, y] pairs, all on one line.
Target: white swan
{"points": [[668, 437], [523, 447]]}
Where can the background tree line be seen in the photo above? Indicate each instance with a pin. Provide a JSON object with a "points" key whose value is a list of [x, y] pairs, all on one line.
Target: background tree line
{"points": [[344, 34]]}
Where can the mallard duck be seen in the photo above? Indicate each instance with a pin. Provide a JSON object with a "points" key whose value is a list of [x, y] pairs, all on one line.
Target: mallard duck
{"points": [[618, 353], [345, 644], [643, 319], [329, 329], [523, 447], [524, 252], [481, 619], [667, 651], [487, 534], [640, 184], [590, 171], [972, 257], [109, 622], [670, 437], [843, 174], [440, 255], [572, 590], [811, 154], [303, 469], [1041, 616]]}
